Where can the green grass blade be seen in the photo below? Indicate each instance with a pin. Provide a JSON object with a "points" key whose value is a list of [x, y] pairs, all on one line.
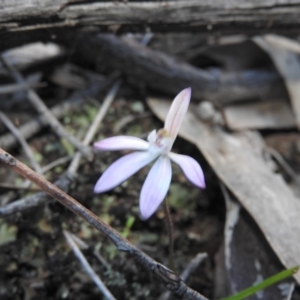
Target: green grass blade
{"points": [[269, 281]]}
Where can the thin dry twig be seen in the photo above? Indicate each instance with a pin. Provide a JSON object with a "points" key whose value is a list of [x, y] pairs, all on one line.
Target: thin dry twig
{"points": [[10, 187], [171, 280], [87, 267], [84, 245], [32, 200], [291, 291], [128, 119], [37, 102], [12, 88], [80, 243], [34, 126], [56, 163], [190, 268], [9, 124], [93, 128], [55, 124], [281, 161], [41, 197]]}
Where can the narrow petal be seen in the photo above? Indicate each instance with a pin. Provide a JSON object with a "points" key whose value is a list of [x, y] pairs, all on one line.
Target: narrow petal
{"points": [[190, 168], [155, 187], [122, 169], [177, 112], [122, 142]]}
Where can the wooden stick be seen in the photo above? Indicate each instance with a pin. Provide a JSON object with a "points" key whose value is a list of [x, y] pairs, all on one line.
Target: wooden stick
{"points": [[87, 267]]}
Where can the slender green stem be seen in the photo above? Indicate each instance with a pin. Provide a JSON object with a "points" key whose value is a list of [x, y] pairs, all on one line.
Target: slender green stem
{"points": [[170, 233]]}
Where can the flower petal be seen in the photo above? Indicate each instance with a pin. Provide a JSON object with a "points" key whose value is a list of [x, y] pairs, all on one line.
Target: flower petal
{"points": [[155, 187], [122, 142], [122, 169], [190, 168], [177, 112]]}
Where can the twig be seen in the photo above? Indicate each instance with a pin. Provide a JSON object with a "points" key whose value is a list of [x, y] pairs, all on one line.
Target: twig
{"points": [[41, 198], [54, 123], [291, 291], [10, 187], [33, 200], [36, 101], [128, 119], [84, 245], [12, 88], [87, 267], [7, 122], [32, 127], [101, 259], [80, 243], [281, 161], [191, 267], [171, 280], [56, 163], [93, 128]]}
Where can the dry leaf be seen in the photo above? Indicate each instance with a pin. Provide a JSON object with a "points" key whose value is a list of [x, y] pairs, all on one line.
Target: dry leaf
{"points": [[245, 259], [281, 51], [259, 115]]}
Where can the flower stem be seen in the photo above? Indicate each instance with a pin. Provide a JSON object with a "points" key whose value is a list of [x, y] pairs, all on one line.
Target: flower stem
{"points": [[170, 233]]}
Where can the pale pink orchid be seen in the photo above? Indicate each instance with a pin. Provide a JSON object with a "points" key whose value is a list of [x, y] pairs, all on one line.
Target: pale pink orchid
{"points": [[158, 147]]}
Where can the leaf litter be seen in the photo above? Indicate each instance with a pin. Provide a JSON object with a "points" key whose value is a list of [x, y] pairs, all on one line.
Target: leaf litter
{"points": [[46, 269]]}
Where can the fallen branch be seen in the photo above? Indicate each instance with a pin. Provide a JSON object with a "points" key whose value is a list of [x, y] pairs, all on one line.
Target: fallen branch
{"points": [[171, 280], [144, 67], [229, 16]]}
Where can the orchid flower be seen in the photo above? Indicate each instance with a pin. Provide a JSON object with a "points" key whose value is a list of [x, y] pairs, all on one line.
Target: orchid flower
{"points": [[158, 147]]}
